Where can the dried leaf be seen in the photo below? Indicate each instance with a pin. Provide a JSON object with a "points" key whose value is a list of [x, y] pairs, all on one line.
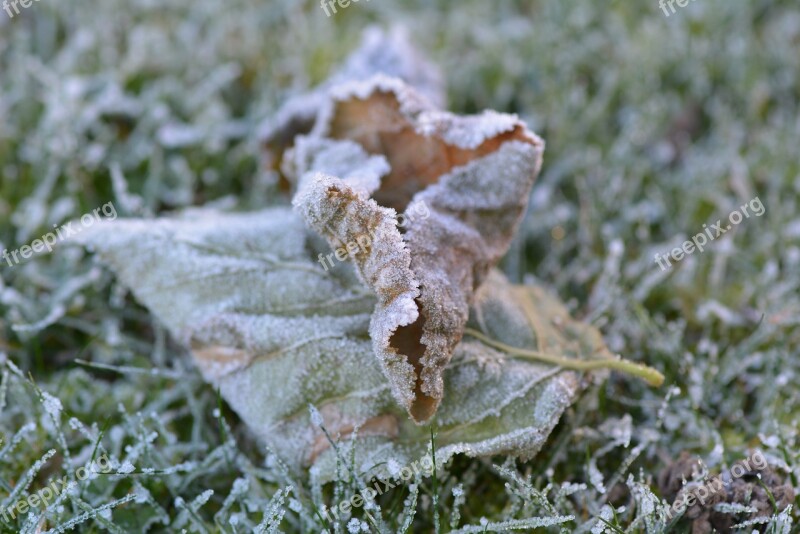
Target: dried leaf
{"points": [[461, 185], [425, 203], [275, 332]]}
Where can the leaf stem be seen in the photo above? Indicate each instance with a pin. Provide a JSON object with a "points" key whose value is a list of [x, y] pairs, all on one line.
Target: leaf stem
{"points": [[648, 374]]}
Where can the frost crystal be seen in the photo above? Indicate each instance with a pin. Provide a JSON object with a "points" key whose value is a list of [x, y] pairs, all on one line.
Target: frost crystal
{"points": [[52, 405], [126, 468], [316, 417]]}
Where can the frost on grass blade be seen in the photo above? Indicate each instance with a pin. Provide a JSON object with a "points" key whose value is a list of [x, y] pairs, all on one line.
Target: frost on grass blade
{"points": [[275, 333], [516, 524], [456, 187]]}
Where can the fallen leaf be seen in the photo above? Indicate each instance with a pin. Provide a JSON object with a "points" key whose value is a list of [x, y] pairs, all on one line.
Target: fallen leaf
{"points": [[419, 323], [275, 332]]}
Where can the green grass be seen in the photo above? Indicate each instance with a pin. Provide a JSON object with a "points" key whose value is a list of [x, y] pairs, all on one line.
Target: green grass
{"points": [[654, 126]]}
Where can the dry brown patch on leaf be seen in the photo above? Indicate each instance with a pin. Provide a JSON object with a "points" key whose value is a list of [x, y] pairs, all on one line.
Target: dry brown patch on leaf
{"points": [[341, 427], [417, 158], [216, 361]]}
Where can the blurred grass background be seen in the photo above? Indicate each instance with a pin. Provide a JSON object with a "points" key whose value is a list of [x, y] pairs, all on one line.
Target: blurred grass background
{"points": [[654, 126]]}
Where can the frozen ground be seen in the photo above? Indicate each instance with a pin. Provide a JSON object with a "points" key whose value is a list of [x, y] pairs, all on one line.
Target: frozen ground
{"points": [[654, 126]]}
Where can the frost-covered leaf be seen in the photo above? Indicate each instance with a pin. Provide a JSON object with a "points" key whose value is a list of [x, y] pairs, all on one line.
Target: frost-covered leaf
{"points": [[275, 332], [457, 188]]}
